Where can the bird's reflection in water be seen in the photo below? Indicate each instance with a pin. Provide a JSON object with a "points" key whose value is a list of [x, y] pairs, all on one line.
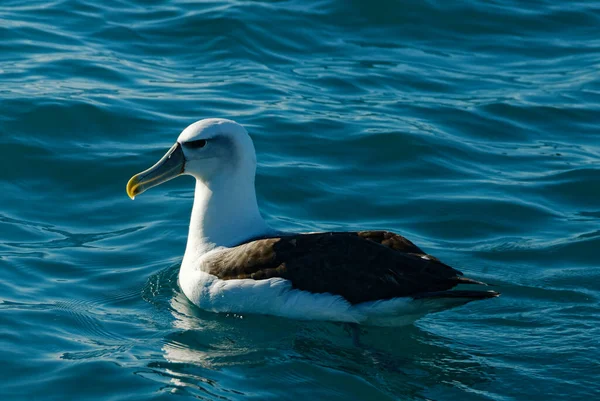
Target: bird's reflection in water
{"points": [[227, 356]]}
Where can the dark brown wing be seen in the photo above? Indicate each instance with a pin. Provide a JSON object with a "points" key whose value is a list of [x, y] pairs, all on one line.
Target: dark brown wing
{"points": [[360, 266], [391, 240]]}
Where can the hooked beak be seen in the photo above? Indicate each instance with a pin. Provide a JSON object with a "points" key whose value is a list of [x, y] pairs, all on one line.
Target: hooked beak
{"points": [[170, 166]]}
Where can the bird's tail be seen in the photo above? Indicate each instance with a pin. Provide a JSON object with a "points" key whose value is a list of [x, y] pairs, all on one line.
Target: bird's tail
{"points": [[465, 294], [466, 280]]}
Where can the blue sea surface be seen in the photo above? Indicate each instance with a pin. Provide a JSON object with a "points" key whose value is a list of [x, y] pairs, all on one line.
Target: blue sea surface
{"points": [[472, 127]]}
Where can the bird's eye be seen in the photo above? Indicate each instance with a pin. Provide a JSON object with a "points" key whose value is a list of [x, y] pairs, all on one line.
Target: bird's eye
{"points": [[200, 143]]}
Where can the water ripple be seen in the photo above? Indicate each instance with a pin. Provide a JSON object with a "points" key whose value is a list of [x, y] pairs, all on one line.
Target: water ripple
{"points": [[468, 126]]}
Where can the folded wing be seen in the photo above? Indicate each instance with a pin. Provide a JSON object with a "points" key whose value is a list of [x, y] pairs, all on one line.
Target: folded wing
{"points": [[359, 266]]}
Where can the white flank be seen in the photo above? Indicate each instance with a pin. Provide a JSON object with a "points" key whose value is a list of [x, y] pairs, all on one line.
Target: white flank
{"points": [[276, 297]]}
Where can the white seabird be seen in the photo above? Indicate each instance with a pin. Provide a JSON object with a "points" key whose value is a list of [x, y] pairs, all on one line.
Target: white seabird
{"points": [[234, 262]]}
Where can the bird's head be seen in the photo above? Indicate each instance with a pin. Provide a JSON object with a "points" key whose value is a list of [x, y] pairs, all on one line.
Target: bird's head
{"points": [[210, 150]]}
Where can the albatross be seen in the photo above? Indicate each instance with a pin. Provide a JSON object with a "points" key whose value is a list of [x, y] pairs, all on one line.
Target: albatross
{"points": [[235, 262]]}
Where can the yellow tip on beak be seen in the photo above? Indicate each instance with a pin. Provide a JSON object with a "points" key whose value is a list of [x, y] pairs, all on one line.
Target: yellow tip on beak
{"points": [[132, 186], [169, 166]]}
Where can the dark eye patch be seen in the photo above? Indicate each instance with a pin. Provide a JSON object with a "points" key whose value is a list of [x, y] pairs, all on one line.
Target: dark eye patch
{"points": [[197, 144]]}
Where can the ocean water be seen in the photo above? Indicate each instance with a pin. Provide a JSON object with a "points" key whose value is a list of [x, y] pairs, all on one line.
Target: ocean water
{"points": [[471, 127]]}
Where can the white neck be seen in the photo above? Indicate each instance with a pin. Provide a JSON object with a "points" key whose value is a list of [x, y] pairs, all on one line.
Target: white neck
{"points": [[225, 214]]}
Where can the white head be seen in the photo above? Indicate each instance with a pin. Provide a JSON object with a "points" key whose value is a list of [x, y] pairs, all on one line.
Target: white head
{"points": [[220, 155], [214, 151], [215, 148]]}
